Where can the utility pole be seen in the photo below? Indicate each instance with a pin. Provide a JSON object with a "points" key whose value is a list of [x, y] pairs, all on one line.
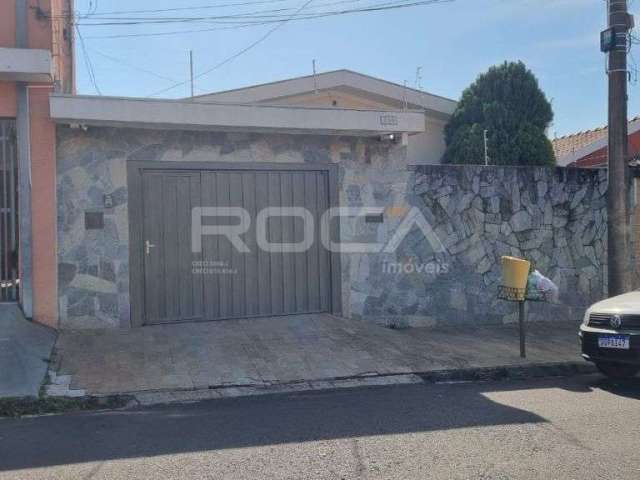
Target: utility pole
{"points": [[614, 41], [191, 70]]}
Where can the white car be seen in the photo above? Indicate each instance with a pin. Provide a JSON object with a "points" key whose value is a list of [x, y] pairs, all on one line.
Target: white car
{"points": [[610, 335]]}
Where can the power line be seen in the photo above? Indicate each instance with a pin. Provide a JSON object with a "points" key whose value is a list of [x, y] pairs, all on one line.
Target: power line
{"points": [[174, 32], [234, 56], [103, 16], [134, 67], [87, 61], [177, 9], [250, 19], [200, 30], [117, 21], [256, 17]]}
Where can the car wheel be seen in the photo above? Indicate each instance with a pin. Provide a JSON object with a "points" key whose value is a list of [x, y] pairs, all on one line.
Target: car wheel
{"points": [[618, 370]]}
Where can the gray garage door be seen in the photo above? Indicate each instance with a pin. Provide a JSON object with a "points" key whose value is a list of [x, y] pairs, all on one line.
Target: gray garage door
{"points": [[220, 281]]}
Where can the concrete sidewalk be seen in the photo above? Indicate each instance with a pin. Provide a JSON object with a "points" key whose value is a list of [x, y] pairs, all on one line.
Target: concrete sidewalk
{"points": [[306, 351], [25, 348]]}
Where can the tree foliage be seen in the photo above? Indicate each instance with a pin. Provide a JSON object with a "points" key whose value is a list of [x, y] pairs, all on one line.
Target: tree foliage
{"points": [[507, 102]]}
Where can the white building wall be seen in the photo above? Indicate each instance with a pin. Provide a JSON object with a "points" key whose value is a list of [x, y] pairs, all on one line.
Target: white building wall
{"points": [[427, 148]]}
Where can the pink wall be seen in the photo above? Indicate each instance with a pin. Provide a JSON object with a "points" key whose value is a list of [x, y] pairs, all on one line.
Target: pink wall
{"points": [[43, 209], [7, 39], [43, 140], [7, 23], [8, 103]]}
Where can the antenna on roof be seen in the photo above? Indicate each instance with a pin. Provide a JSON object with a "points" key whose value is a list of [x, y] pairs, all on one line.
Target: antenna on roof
{"points": [[191, 71], [405, 106], [419, 78], [315, 78], [486, 147]]}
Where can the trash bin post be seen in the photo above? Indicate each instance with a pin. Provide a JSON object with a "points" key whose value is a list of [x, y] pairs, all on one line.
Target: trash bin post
{"points": [[522, 321], [516, 283], [515, 275]]}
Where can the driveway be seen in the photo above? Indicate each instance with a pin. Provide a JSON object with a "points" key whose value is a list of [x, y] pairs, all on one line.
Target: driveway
{"points": [[289, 350]]}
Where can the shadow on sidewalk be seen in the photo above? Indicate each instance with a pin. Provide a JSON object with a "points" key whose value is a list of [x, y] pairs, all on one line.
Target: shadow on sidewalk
{"points": [[266, 420]]}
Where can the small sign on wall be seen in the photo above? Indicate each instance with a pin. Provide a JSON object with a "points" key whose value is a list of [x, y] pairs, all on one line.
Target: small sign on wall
{"points": [[388, 120], [93, 220]]}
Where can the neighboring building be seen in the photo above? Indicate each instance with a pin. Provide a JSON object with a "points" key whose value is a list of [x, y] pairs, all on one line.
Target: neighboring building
{"points": [[589, 149], [347, 89], [36, 59]]}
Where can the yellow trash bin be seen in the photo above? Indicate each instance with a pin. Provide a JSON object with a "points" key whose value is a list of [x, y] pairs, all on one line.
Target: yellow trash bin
{"points": [[515, 272]]}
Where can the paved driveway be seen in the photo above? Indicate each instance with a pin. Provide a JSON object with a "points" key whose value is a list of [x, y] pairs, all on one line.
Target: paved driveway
{"points": [[307, 348]]}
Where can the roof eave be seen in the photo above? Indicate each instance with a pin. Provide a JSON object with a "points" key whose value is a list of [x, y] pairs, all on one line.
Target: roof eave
{"points": [[172, 114]]}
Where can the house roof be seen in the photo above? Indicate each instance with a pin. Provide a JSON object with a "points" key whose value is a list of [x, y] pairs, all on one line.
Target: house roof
{"points": [[346, 80], [564, 146], [573, 147], [197, 115]]}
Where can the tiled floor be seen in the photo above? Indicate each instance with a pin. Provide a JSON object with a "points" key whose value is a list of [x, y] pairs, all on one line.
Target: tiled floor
{"points": [[288, 349]]}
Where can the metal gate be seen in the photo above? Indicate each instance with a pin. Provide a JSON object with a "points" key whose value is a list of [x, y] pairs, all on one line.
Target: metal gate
{"points": [[8, 213], [171, 282]]}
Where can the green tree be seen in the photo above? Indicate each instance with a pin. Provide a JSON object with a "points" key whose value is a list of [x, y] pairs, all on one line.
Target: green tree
{"points": [[507, 102]]}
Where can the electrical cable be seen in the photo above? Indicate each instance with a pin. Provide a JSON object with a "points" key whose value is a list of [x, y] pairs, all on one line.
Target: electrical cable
{"points": [[253, 14], [234, 56], [174, 32], [134, 67], [176, 9], [244, 20], [200, 30], [274, 18], [87, 61]]}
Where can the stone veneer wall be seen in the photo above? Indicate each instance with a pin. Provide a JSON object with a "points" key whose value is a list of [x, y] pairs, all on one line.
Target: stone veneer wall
{"points": [[93, 283], [555, 216]]}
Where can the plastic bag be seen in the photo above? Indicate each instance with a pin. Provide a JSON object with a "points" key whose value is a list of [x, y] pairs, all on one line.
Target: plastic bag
{"points": [[541, 288]]}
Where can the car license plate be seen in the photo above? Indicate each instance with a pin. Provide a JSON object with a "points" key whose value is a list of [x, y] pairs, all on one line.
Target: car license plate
{"points": [[614, 341]]}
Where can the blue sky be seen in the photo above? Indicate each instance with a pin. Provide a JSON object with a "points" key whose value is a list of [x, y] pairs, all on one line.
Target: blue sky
{"points": [[452, 42]]}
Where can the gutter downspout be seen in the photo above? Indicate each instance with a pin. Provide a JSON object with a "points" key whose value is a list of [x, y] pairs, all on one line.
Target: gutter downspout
{"points": [[23, 134]]}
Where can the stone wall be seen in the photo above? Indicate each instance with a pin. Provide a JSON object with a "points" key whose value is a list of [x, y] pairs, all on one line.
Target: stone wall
{"points": [[93, 283], [555, 217]]}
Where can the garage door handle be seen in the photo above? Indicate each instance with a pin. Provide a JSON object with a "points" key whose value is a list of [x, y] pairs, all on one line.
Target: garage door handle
{"points": [[148, 246]]}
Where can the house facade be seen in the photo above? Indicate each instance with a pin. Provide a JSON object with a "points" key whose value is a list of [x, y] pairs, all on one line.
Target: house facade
{"points": [[36, 59], [348, 89], [324, 217], [269, 201], [132, 171]]}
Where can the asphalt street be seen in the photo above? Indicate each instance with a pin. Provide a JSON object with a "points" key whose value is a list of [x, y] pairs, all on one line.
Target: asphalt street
{"points": [[578, 428]]}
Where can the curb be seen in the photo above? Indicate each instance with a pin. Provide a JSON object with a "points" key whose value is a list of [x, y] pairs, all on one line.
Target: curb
{"points": [[511, 372], [479, 374], [127, 400]]}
